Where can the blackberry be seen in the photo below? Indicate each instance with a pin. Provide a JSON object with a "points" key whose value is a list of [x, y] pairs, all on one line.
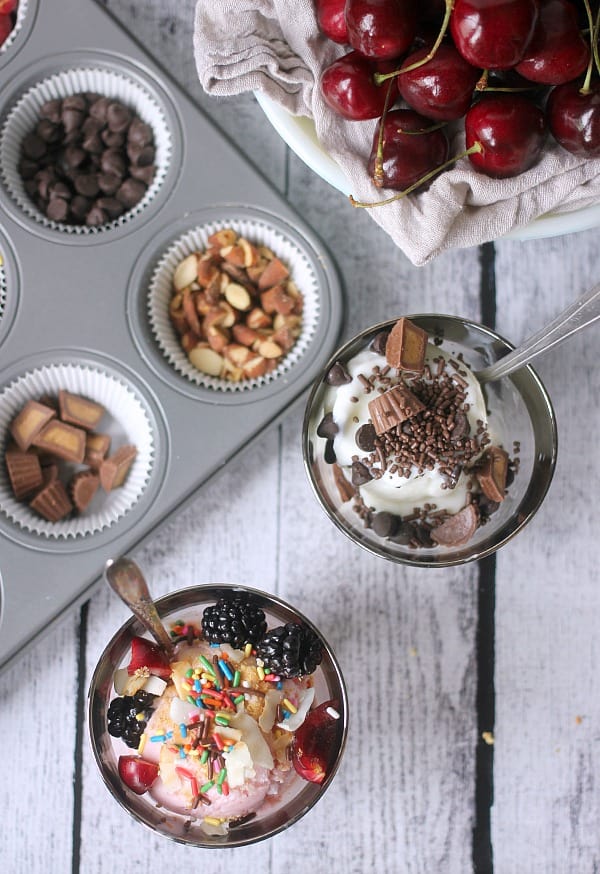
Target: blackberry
{"points": [[122, 717], [290, 650], [234, 621]]}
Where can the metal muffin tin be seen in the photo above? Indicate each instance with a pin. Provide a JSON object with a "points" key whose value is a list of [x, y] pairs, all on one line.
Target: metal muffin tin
{"points": [[79, 298]]}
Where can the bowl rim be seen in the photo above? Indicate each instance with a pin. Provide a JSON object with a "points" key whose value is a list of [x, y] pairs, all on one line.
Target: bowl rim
{"points": [[424, 561], [167, 604]]}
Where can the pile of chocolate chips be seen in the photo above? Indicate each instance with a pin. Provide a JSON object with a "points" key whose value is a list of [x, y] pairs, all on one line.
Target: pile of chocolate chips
{"points": [[88, 160]]}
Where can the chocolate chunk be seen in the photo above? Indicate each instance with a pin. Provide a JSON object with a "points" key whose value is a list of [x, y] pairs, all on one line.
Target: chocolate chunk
{"points": [[365, 438], [379, 341], [457, 529], [28, 423], [360, 474], [52, 502], [96, 217], [327, 427], [62, 440], [113, 470], [131, 192], [79, 411], [118, 117], [329, 455], [87, 184], [24, 472], [338, 375], [406, 346], [384, 524], [58, 209], [51, 110], [345, 489], [82, 488], [33, 147], [392, 407], [491, 474], [113, 162]]}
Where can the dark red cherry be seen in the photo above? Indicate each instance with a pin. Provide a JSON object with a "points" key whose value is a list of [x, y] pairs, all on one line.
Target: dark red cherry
{"points": [[381, 28], [316, 743], [510, 130], [574, 118], [557, 52], [407, 156], [332, 20], [442, 88], [348, 87], [493, 33]]}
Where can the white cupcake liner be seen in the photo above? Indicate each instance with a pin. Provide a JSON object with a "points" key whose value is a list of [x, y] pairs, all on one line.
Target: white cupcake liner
{"points": [[21, 16], [2, 285], [260, 233], [113, 83], [125, 420]]}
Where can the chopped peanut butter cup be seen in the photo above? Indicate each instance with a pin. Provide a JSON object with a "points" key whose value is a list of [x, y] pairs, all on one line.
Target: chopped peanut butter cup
{"points": [[393, 407], [29, 422], [406, 346]]}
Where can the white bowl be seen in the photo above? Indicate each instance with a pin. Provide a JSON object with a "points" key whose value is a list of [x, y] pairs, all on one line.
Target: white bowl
{"points": [[300, 135]]}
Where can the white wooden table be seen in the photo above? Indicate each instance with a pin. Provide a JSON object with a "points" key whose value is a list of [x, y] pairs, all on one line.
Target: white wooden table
{"points": [[509, 647]]}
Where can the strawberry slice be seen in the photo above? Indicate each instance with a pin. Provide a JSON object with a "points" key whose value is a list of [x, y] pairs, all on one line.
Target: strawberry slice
{"points": [[145, 654], [317, 741], [137, 773]]}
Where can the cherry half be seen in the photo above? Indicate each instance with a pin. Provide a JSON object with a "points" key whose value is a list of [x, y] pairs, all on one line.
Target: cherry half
{"points": [[573, 116], [381, 29], [137, 773], [558, 51], [348, 87], [442, 88], [505, 134], [316, 743], [411, 149], [145, 654], [332, 20], [493, 33]]}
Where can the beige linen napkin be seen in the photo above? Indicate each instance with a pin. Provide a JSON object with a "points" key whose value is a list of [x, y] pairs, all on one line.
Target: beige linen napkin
{"points": [[275, 46]]}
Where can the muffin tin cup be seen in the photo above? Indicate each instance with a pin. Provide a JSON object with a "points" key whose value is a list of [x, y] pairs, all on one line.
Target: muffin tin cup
{"points": [[109, 81], [126, 421], [258, 231], [9, 286], [23, 11]]}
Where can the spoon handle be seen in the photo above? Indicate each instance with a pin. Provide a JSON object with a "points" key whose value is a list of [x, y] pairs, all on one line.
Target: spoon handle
{"points": [[126, 579], [585, 311]]}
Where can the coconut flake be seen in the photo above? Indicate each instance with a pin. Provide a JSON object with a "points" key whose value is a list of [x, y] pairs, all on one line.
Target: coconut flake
{"points": [[236, 655], [181, 710], [154, 685], [239, 765], [120, 680], [257, 745], [267, 718], [295, 720]]}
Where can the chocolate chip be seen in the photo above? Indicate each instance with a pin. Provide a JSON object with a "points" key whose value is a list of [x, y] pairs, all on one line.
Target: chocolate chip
{"points": [[404, 534], [112, 139], [75, 101], [87, 184], [33, 147], [80, 206], [96, 217], [91, 126], [141, 156], [365, 438], [146, 175], [74, 156], [72, 119], [486, 507], [111, 206], [118, 117], [113, 161], [28, 168], [140, 133], [131, 192], [329, 453], [384, 524], [338, 375], [360, 474], [98, 108], [48, 131], [51, 110], [327, 427], [379, 341], [59, 189], [58, 209], [93, 143], [108, 183]]}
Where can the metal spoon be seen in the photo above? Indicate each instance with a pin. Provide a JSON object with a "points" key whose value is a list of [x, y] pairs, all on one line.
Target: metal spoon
{"points": [[126, 579], [585, 311]]}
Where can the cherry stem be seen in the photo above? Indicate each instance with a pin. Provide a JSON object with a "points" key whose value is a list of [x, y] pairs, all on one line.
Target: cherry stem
{"points": [[423, 130], [481, 84], [378, 168], [585, 88], [475, 148], [381, 77]]}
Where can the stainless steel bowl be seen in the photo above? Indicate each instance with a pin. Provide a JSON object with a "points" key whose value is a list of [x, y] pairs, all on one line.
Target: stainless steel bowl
{"points": [[519, 410]]}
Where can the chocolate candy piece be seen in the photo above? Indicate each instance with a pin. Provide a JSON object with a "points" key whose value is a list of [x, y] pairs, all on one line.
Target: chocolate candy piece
{"points": [[457, 529], [52, 502], [96, 447], [327, 427], [24, 472], [130, 192], [384, 524], [82, 488], [461, 427], [379, 341], [27, 424], [360, 474], [491, 475], [113, 470], [338, 375], [329, 456], [393, 407], [62, 440], [406, 346], [80, 411], [365, 438], [346, 489], [49, 472]]}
